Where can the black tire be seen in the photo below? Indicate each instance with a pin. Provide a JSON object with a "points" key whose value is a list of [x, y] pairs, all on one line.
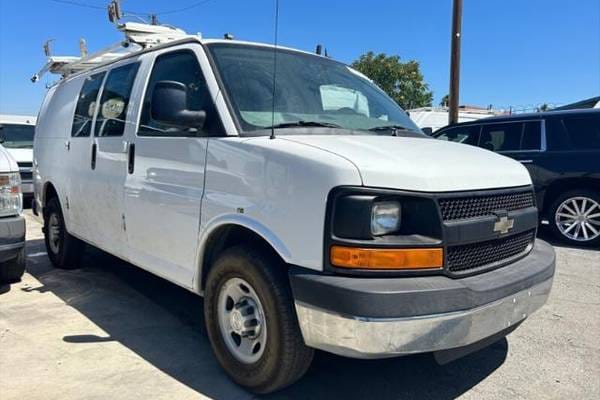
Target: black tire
{"points": [[69, 248], [12, 270], [285, 358], [554, 208]]}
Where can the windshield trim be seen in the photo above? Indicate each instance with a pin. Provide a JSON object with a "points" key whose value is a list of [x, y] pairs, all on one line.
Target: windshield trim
{"points": [[266, 132]]}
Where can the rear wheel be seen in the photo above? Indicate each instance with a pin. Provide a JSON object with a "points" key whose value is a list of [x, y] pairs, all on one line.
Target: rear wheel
{"points": [[12, 270], [251, 321], [575, 217], [63, 249]]}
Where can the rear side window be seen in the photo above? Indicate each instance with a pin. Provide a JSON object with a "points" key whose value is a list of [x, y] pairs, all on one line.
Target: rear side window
{"points": [[115, 99], [501, 137], [461, 134], [584, 131], [86, 106], [182, 67], [532, 136]]}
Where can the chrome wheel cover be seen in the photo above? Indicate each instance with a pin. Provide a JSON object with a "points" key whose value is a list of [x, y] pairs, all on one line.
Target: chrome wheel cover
{"points": [[242, 320], [54, 233], [578, 218]]}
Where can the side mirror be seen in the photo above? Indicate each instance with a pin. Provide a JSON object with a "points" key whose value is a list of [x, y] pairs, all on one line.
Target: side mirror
{"points": [[427, 130], [169, 106]]}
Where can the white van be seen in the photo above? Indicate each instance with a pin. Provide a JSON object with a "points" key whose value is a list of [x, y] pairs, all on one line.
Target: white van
{"points": [[310, 214], [12, 223], [16, 135]]}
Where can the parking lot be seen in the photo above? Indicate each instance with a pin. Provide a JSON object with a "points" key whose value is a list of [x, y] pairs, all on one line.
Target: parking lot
{"points": [[112, 331]]}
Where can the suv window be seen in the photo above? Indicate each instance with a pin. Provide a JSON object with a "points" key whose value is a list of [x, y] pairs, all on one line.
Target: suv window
{"points": [[501, 137], [183, 67], [532, 136], [115, 98], [461, 134], [86, 106], [584, 131]]}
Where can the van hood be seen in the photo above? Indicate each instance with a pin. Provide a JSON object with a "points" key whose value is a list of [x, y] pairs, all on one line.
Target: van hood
{"points": [[421, 164], [21, 155]]}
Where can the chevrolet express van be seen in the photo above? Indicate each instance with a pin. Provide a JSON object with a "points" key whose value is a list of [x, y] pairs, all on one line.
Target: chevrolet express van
{"points": [[12, 223], [306, 207]]}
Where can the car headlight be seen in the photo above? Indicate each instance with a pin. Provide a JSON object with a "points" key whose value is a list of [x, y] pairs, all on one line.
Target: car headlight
{"points": [[385, 217], [11, 199]]}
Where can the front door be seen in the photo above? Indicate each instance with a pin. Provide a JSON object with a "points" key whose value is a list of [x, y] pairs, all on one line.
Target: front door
{"points": [[165, 184], [106, 219]]}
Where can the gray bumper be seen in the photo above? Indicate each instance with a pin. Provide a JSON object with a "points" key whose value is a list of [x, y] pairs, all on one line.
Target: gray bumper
{"points": [[516, 291], [12, 237]]}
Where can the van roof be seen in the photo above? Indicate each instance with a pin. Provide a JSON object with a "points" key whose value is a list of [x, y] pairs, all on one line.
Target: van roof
{"points": [[140, 39]]}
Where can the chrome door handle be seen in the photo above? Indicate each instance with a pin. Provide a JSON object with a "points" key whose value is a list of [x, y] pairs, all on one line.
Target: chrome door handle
{"points": [[526, 161], [68, 145], [125, 148]]}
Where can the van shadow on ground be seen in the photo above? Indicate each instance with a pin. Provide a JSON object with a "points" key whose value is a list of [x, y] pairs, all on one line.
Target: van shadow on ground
{"points": [[163, 324]]}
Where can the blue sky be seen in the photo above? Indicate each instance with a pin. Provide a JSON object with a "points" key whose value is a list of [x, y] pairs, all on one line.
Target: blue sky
{"points": [[514, 52]]}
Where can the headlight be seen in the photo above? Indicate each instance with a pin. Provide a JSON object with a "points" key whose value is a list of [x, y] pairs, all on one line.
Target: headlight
{"points": [[11, 199], [385, 217]]}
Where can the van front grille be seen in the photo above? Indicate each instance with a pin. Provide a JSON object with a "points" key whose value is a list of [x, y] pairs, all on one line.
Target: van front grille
{"points": [[457, 208], [465, 258]]}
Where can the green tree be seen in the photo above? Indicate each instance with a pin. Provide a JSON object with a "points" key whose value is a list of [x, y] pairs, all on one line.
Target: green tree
{"points": [[445, 101], [402, 81]]}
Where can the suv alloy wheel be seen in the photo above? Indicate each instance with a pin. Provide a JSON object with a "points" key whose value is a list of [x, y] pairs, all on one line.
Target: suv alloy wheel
{"points": [[575, 217]]}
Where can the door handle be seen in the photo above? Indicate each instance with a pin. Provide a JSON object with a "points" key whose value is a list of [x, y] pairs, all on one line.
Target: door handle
{"points": [[94, 150], [68, 145], [526, 161], [131, 158]]}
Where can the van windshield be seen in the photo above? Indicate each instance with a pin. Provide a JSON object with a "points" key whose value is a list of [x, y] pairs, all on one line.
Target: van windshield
{"points": [[16, 136], [310, 91]]}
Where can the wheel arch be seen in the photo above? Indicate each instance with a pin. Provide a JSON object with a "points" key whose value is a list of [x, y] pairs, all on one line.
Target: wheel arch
{"points": [[560, 186], [48, 192], [231, 232]]}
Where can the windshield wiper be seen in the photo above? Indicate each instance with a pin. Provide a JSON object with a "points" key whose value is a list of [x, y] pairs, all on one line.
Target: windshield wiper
{"points": [[389, 128], [304, 124]]}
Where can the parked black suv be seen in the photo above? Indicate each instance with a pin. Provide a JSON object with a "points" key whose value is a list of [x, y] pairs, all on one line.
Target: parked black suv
{"points": [[561, 150]]}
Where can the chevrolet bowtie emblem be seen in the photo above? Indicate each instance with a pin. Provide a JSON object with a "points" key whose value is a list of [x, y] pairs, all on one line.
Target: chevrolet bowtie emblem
{"points": [[503, 225]]}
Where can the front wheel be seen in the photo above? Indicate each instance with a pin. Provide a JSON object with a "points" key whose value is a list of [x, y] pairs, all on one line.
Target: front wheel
{"points": [[12, 270], [251, 321], [575, 217], [63, 249]]}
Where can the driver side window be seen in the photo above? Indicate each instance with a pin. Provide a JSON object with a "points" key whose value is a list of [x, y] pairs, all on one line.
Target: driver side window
{"points": [[182, 67], [461, 134]]}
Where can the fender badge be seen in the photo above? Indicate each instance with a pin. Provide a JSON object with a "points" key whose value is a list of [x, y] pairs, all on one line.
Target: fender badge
{"points": [[503, 225]]}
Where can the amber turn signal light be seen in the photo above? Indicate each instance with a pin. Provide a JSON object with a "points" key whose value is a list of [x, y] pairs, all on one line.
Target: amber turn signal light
{"points": [[386, 259]]}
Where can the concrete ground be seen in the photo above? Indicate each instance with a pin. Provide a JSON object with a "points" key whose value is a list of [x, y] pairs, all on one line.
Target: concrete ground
{"points": [[112, 331]]}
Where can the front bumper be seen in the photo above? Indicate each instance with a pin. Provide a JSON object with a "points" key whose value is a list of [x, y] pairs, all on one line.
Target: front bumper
{"points": [[376, 318], [12, 237]]}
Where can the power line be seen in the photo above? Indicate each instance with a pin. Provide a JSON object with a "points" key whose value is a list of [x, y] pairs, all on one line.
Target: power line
{"points": [[78, 4], [135, 13], [177, 10]]}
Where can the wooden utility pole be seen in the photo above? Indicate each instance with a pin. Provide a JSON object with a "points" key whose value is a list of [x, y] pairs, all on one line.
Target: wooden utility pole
{"points": [[455, 61]]}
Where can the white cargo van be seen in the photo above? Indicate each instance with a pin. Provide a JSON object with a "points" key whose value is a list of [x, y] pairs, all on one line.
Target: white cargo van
{"points": [[306, 208], [12, 223], [16, 135]]}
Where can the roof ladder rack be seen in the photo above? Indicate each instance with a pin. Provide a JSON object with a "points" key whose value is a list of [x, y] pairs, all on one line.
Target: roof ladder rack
{"points": [[137, 37]]}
